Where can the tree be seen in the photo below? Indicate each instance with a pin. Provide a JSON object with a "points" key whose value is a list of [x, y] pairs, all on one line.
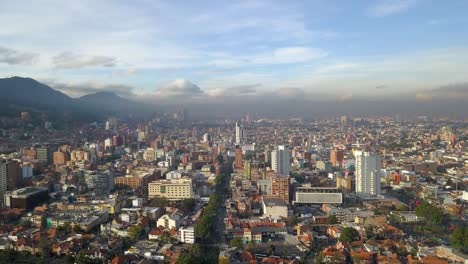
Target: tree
{"points": [[331, 220], [250, 245], [300, 178], [348, 234], [271, 250], [134, 231], [220, 159], [44, 247], [237, 242], [248, 156], [159, 202], [459, 237], [67, 227], [81, 258], [78, 229], [188, 205], [291, 220], [26, 223], [432, 214]]}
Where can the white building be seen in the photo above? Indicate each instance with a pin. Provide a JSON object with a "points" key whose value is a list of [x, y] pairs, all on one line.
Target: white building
{"points": [[280, 160], [206, 137], [168, 222], [187, 235], [407, 217], [239, 134], [174, 189], [465, 196], [173, 175], [367, 173]]}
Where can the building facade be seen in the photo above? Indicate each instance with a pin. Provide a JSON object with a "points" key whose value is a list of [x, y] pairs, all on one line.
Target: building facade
{"points": [[367, 173], [174, 189], [280, 160]]}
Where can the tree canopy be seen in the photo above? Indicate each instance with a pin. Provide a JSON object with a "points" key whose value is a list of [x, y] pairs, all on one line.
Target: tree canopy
{"points": [[349, 234], [459, 238], [431, 213]]}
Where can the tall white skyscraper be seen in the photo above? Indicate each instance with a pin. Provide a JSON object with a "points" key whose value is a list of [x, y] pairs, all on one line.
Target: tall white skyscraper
{"points": [[367, 173], [239, 134], [280, 160]]}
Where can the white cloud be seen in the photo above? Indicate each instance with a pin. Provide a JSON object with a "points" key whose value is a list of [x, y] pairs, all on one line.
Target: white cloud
{"points": [[68, 60], [179, 88], [390, 7], [15, 57], [78, 89], [234, 91], [291, 55]]}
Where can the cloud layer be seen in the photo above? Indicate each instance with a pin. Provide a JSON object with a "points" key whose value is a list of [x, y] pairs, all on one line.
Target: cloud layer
{"points": [[294, 50], [14, 57], [391, 7], [78, 89], [68, 60]]}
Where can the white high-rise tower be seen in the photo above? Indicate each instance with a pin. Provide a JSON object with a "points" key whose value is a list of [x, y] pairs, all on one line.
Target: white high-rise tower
{"points": [[239, 134], [280, 160], [367, 173]]}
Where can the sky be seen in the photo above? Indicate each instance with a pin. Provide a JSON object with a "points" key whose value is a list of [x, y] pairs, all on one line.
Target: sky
{"points": [[223, 50]]}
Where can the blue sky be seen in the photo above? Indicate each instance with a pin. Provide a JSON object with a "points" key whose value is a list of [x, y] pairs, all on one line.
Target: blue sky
{"points": [[244, 48]]}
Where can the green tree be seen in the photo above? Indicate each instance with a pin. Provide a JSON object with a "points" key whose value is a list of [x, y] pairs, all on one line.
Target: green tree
{"points": [[248, 156], [237, 242], [81, 258], [459, 238], [26, 223], [300, 178], [159, 202], [465, 238], [331, 220], [78, 229], [67, 227], [134, 231], [432, 214], [44, 247], [348, 234], [188, 205], [220, 159], [291, 220], [250, 245]]}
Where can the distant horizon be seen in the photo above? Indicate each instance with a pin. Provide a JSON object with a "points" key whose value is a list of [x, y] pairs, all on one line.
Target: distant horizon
{"points": [[414, 49]]}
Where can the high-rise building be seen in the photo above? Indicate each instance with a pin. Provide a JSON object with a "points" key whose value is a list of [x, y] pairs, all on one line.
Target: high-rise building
{"points": [[239, 159], [336, 157], [280, 186], [367, 173], [280, 160], [239, 134], [267, 155], [10, 177], [43, 155], [206, 137]]}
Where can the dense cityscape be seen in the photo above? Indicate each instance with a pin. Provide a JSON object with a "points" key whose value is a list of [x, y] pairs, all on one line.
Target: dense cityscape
{"points": [[338, 190]]}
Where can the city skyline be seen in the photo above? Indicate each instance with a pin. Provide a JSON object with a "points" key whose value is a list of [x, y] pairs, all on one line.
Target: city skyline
{"points": [[316, 51]]}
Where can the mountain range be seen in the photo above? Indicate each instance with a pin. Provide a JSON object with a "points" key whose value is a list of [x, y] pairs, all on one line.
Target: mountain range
{"points": [[26, 94]]}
